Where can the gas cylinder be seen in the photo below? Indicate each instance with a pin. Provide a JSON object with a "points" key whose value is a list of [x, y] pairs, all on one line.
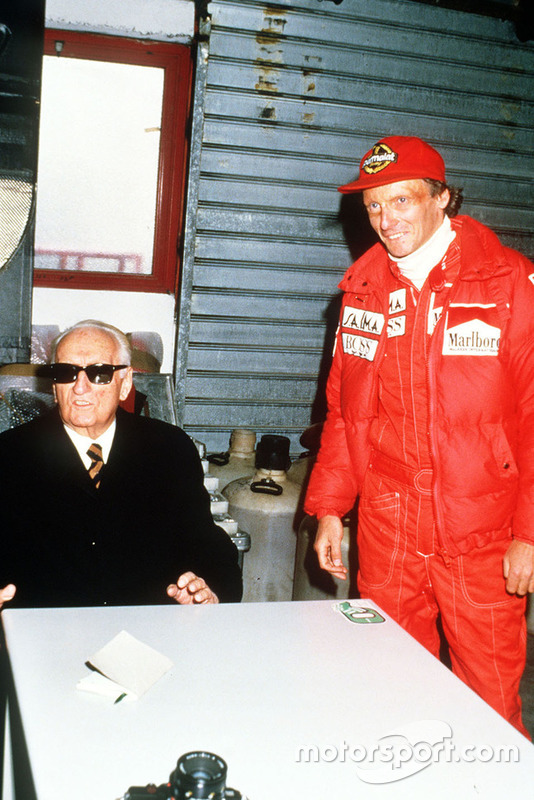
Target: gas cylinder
{"points": [[238, 461], [265, 505], [313, 583], [301, 467]]}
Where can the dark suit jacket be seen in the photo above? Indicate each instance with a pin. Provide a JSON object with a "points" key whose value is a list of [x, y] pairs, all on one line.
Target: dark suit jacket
{"points": [[64, 543]]}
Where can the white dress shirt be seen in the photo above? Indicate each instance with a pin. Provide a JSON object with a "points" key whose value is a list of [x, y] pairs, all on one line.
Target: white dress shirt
{"points": [[82, 443]]}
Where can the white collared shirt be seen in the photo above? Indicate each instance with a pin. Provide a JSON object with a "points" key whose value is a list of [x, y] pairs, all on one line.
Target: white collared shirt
{"points": [[82, 443]]}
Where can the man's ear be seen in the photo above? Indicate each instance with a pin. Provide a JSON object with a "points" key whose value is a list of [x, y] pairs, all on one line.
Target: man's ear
{"points": [[126, 384], [443, 199]]}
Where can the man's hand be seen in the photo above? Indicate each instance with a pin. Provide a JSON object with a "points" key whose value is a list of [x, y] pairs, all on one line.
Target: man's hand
{"points": [[189, 588], [328, 546], [7, 594], [518, 568]]}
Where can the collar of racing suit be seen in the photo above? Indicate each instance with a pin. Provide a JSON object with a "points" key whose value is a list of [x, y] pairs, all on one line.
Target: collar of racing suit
{"points": [[482, 256]]}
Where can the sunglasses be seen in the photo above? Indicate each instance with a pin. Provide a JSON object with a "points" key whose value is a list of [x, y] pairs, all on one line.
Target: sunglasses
{"points": [[96, 373]]}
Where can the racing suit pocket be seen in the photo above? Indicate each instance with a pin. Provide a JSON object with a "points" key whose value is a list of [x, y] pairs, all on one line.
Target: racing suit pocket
{"points": [[481, 575], [378, 536], [502, 453]]}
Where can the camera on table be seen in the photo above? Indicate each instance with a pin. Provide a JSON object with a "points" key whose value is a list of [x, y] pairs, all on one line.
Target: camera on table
{"points": [[198, 776]]}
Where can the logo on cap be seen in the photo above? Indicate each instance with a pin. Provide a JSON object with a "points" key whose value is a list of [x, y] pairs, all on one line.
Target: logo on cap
{"points": [[381, 157]]}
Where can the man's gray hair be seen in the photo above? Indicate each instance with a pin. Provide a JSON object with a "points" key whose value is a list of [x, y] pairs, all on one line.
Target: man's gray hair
{"points": [[123, 344]]}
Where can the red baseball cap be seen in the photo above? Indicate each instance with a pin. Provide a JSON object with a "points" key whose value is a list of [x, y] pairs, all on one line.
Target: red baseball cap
{"points": [[397, 158]]}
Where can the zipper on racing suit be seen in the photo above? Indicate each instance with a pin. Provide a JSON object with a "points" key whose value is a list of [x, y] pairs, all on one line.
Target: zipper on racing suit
{"points": [[434, 354]]}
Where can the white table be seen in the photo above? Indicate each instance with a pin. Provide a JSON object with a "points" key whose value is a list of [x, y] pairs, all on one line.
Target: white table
{"points": [[254, 683]]}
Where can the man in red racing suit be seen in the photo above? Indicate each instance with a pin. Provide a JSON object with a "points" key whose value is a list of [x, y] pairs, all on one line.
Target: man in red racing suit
{"points": [[431, 423]]}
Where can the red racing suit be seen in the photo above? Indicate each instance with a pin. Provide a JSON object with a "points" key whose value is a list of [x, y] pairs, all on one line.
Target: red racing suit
{"points": [[431, 421], [480, 372]]}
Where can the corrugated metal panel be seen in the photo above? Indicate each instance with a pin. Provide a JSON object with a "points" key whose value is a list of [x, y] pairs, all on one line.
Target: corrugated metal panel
{"points": [[288, 99]]}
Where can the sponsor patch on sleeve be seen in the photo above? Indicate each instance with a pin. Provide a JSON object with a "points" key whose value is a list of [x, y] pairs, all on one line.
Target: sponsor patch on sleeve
{"points": [[397, 301], [397, 326], [362, 320], [471, 330], [360, 346]]}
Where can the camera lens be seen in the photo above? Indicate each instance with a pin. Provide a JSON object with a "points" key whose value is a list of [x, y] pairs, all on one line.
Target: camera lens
{"points": [[199, 775]]}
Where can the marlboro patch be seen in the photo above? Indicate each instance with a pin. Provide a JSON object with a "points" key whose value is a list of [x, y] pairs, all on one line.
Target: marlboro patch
{"points": [[472, 330]]}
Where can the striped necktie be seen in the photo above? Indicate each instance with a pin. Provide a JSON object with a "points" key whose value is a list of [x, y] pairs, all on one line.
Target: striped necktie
{"points": [[95, 454]]}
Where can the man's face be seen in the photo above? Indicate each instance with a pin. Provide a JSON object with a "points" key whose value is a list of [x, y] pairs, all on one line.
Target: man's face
{"points": [[404, 214], [86, 407]]}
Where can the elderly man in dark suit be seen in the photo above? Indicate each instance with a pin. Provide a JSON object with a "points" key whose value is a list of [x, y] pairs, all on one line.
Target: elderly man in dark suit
{"points": [[100, 506]]}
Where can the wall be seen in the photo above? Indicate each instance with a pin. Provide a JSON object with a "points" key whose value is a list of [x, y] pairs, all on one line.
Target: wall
{"points": [[163, 20]]}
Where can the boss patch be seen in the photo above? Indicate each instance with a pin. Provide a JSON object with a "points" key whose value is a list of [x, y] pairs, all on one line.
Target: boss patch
{"points": [[397, 326], [359, 346]]}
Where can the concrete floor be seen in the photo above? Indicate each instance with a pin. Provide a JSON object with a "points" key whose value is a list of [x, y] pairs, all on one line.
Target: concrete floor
{"points": [[527, 688]]}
